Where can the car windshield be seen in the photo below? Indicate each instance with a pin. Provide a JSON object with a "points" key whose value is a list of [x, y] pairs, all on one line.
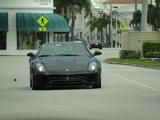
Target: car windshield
{"points": [[63, 49]]}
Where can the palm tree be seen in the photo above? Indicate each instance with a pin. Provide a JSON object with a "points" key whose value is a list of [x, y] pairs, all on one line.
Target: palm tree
{"points": [[154, 15], [149, 17], [100, 23], [69, 9], [136, 20]]}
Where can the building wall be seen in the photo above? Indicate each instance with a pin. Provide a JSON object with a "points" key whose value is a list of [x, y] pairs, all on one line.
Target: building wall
{"points": [[12, 31], [80, 24], [133, 40], [26, 6], [82, 30]]}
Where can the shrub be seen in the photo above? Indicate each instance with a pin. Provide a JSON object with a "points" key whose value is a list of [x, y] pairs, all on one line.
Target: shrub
{"points": [[129, 54], [150, 48], [152, 54]]}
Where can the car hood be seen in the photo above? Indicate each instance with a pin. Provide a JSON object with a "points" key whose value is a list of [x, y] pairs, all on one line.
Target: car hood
{"points": [[66, 64]]}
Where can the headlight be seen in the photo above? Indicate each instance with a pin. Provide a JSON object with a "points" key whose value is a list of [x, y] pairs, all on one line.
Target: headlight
{"points": [[40, 67], [92, 66]]}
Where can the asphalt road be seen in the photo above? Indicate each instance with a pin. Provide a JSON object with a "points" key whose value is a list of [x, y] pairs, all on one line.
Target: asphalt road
{"points": [[127, 93]]}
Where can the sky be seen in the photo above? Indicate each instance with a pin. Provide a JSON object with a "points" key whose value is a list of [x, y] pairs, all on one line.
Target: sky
{"points": [[101, 4]]}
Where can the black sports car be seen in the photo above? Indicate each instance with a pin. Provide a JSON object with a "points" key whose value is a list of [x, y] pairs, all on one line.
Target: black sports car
{"points": [[64, 63]]}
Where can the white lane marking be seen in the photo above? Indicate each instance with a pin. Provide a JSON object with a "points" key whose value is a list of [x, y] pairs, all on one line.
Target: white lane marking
{"points": [[134, 81]]}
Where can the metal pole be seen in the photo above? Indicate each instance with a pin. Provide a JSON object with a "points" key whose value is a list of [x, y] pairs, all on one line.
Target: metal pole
{"points": [[111, 23], [117, 38]]}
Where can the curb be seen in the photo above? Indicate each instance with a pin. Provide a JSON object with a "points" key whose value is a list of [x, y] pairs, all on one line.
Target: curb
{"points": [[136, 65]]}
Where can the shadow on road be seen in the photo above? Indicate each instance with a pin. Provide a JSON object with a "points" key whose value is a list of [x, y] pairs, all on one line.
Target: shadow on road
{"points": [[56, 118], [27, 88], [66, 87]]}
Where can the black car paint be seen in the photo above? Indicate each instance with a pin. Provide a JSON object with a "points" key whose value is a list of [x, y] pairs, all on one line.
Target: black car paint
{"points": [[67, 67]]}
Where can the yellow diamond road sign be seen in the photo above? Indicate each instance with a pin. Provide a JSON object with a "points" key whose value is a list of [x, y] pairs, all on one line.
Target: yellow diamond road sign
{"points": [[122, 26], [42, 21], [42, 29]]}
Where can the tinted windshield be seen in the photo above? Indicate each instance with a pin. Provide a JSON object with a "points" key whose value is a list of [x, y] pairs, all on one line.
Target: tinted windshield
{"points": [[63, 49]]}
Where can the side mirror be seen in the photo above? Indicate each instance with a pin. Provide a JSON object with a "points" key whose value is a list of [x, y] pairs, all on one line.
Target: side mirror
{"points": [[97, 53], [30, 54]]}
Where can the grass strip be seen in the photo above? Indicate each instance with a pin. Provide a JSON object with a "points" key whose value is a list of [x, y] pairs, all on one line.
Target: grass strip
{"points": [[135, 62]]}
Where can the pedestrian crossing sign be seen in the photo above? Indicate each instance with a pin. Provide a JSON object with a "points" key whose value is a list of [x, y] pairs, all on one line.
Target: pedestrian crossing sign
{"points": [[122, 26], [42, 29], [42, 21]]}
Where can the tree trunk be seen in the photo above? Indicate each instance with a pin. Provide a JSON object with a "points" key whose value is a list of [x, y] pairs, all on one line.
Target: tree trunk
{"points": [[107, 37], [102, 35], [144, 15], [135, 5], [73, 22], [72, 28], [109, 41]]}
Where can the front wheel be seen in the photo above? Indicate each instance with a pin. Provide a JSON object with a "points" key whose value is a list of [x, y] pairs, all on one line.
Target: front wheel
{"points": [[97, 83], [35, 83], [31, 77]]}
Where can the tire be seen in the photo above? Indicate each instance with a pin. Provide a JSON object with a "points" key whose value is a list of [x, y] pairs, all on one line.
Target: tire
{"points": [[30, 80], [97, 83], [35, 83]]}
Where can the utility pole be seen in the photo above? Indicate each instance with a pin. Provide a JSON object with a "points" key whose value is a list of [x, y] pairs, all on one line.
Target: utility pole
{"points": [[110, 23], [144, 15]]}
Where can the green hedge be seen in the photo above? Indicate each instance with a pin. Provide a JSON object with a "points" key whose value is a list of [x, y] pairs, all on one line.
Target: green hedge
{"points": [[129, 54], [150, 48], [152, 54]]}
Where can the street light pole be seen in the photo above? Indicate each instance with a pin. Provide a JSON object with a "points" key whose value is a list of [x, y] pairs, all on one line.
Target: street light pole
{"points": [[117, 38], [110, 22]]}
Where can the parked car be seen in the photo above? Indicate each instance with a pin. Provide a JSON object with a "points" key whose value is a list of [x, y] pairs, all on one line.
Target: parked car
{"points": [[95, 44], [64, 63]]}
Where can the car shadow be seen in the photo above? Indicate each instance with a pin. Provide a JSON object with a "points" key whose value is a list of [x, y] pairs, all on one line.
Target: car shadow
{"points": [[56, 118], [66, 87], [28, 88]]}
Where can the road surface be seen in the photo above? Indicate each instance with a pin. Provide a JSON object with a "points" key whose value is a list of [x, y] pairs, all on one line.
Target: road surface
{"points": [[127, 93]]}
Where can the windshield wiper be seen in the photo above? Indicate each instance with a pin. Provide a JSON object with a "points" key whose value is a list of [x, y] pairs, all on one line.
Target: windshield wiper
{"points": [[44, 55], [66, 55]]}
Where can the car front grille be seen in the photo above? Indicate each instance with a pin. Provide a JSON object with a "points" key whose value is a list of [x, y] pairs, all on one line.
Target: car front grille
{"points": [[66, 79]]}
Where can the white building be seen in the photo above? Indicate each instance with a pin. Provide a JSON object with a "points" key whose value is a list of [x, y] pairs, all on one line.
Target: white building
{"points": [[19, 30], [81, 29], [125, 10]]}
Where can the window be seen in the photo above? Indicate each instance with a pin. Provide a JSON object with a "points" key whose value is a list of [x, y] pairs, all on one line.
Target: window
{"points": [[30, 40], [2, 40]]}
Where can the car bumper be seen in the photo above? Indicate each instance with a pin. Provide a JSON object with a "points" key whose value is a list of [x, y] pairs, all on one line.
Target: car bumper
{"points": [[79, 79]]}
